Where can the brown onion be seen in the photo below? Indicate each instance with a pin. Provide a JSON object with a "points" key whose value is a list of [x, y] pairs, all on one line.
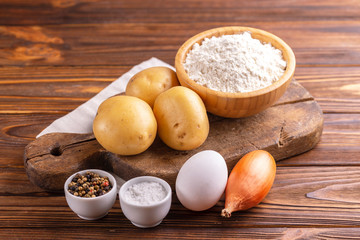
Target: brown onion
{"points": [[249, 182]]}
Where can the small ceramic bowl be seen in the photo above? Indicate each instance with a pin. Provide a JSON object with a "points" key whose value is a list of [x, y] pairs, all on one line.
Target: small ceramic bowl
{"points": [[235, 105], [92, 208], [148, 215]]}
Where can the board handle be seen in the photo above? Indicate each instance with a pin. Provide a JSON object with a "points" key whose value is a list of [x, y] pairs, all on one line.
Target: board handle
{"points": [[52, 158]]}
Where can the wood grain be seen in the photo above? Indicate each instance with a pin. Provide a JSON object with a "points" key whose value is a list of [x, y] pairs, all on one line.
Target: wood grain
{"points": [[292, 192], [79, 11], [91, 44], [211, 233], [56, 54], [61, 89]]}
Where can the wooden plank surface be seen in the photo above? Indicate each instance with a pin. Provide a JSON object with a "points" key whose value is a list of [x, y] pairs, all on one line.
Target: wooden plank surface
{"points": [[59, 45], [57, 54], [60, 89], [320, 196]]}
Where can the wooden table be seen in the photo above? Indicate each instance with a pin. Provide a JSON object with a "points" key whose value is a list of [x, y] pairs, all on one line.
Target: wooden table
{"points": [[57, 54]]}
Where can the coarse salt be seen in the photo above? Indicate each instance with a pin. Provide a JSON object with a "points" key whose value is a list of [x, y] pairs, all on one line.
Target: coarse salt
{"points": [[145, 193], [234, 63]]}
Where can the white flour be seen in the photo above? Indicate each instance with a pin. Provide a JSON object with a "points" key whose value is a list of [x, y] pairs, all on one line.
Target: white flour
{"points": [[145, 193], [234, 63]]}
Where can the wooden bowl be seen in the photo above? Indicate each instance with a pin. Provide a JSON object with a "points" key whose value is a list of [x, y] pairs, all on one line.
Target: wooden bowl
{"points": [[235, 105]]}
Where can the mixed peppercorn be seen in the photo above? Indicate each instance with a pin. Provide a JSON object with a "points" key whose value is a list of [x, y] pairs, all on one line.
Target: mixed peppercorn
{"points": [[89, 185]]}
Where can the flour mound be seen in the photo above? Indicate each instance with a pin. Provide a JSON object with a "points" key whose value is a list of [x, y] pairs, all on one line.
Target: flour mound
{"points": [[234, 63]]}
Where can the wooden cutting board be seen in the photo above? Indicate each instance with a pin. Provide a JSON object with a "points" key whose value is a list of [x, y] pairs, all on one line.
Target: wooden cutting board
{"points": [[290, 127]]}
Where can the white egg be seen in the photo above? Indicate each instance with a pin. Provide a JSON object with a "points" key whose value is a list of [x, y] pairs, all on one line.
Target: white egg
{"points": [[201, 181]]}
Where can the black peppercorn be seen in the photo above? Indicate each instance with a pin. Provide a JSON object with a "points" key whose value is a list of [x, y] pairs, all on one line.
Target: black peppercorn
{"points": [[89, 185]]}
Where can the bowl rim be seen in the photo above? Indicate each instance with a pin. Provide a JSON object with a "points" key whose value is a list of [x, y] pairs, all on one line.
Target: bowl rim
{"points": [[139, 179], [198, 38], [101, 173]]}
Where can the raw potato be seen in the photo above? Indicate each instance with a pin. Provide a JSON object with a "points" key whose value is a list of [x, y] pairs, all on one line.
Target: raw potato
{"points": [[149, 83], [182, 120], [125, 125]]}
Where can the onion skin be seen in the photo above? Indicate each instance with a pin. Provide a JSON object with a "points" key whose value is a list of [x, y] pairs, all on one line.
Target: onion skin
{"points": [[249, 182]]}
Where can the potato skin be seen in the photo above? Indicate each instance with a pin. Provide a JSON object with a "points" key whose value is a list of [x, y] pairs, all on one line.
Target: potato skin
{"points": [[182, 119], [149, 83], [125, 125]]}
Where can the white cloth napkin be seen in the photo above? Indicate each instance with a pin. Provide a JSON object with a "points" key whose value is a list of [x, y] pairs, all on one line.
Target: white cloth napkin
{"points": [[80, 120]]}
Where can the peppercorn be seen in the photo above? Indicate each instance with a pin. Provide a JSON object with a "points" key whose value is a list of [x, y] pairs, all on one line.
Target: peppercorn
{"points": [[89, 185]]}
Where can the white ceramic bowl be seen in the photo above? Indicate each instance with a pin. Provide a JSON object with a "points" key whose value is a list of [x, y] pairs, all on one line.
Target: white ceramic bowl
{"points": [[149, 215], [92, 208]]}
